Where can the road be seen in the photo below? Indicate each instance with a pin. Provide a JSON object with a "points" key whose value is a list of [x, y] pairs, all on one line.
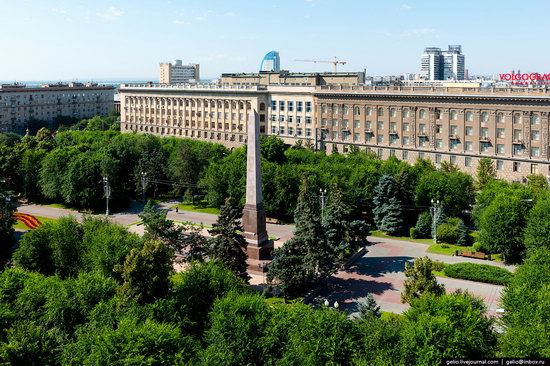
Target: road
{"points": [[381, 272]]}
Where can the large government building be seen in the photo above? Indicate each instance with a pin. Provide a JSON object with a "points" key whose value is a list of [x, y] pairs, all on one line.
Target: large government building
{"points": [[19, 104], [456, 124]]}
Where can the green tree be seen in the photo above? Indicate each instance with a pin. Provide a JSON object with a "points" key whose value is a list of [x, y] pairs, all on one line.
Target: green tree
{"points": [[388, 211], [537, 232], [526, 301], [228, 245], [447, 326], [423, 228], [272, 149], [30, 163], [145, 273], [538, 183], [52, 172], [7, 221], [502, 227], [463, 234], [419, 280], [82, 184], [486, 172], [369, 308], [453, 190]]}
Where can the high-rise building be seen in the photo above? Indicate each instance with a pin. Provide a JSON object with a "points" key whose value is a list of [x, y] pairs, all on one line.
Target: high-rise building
{"points": [[443, 65], [431, 64], [177, 73], [271, 62]]}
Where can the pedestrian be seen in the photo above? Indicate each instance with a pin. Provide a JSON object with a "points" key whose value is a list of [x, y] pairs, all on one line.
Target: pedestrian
{"points": [[177, 209]]}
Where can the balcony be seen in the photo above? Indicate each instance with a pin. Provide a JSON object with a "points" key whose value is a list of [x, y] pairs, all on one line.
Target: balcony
{"points": [[454, 137], [518, 142], [422, 134], [369, 131], [485, 139], [393, 132]]}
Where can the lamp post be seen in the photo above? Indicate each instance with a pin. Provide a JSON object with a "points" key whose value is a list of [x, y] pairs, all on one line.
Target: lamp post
{"points": [[323, 198], [107, 190], [143, 184], [436, 212]]}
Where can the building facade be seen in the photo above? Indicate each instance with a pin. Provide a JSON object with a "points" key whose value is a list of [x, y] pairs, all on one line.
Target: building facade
{"points": [[271, 62], [293, 79], [19, 104], [443, 65], [178, 73], [460, 125]]}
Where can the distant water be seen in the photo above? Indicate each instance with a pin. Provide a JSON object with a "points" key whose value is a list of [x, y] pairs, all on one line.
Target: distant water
{"points": [[115, 83]]}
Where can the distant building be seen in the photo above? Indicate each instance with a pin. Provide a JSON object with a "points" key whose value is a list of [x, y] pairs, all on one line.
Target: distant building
{"points": [[177, 73], [285, 77], [271, 62], [19, 104], [442, 65]]}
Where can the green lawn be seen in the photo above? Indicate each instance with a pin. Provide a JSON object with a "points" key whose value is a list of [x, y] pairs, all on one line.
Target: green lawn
{"points": [[21, 226], [387, 315], [380, 234], [446, 249], [200, 207]]}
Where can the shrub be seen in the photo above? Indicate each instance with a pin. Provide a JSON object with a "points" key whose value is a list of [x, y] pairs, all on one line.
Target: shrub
{"points": [[438, 266], [479, 272], [423, 227], [447, 233], [412, 233]]}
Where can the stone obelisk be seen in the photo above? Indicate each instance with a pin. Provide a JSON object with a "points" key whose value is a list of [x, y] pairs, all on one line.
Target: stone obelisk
{"points": [[259, 246]]}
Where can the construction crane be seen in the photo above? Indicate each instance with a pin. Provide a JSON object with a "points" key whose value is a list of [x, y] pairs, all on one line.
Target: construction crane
{"points": [[334, 62]]}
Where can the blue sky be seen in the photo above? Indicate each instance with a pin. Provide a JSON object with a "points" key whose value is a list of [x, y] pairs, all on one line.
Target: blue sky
{"points": [[76, 39]]}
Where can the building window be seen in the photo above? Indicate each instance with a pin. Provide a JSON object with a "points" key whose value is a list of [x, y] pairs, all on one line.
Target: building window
{"points": [[438, 128], [380, 153], [468, 161], [535, 151], [518, 149], [518, 135], [406, 127], [469, 146], [290, 106], [515, 166], [369, 111], [299, 131], [501, 133], [535, 135], [454, 131], [334, 123], [484, 147], [368, 125], [380, 139], [534, 169], [517, 118], [368, 137], [345, 123], [289, 119], [356, 124], [392, 152], [308, 132], [469, 130], [439, 143], [484, 132], [422, 128], [393, 139], [299, 120], [380, 112], [281, 118], [299, 107], [500, 117], [308, 107], [469, 116], [356, 111], [422, 114], [484, 117], [452, 159], [356, 137], [406, 140], [535, 119], [421, 155], [346, 110], [393, 112], [323, 107], [438, 158], [323, 122], [500, 148], [454, 115], [290, 131], [274, 105], [454, 144], [500, 165], [380, 125], [335, 135], [281, 130], [274, 130], [308, 120], [406, 113], [282, 105], [405, 155]]}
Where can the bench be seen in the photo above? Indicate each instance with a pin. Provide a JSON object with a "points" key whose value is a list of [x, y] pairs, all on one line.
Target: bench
{"points": [[271, 220], [477, 255]]}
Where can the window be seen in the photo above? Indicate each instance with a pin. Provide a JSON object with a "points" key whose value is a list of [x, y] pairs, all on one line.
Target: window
{"points": [[308, 120], [535, 119], [308, 132], [500, 133], [335, 135], [469, 146], [484, 117], [281, 130], [356, 124], [406, 140], [290, 131], [380, 153], [518, 149], [438, 158], [454, 144], [380, 125], [392, 152], [356, 111], [369, 111], [368, 125], [452, 159], [380, 139], [356, 136], [500, 117], [535, 151], [518, 135], [274, 105], [438, 128], [500, 149], [290, 106], [469, 116], [500, 165], [346, 110], [323, 107], [515, 166], [468, 161], [345, 123], [334, 123], [421, 155], [335, 108], [405, 155], [299, 120], [439, 143], [281, 118], [406, 113], [380, 112], [454, 115], [454, 130], [422, 114], [299, 131], [535, 135], [368, 137], [484, 147], [406, 127], [534, 169], [274, 130], [517, 118], [393, 139], [469, 130], [299, 107], [393, 127], [308, 107], [282, 105], [484, 132], [393, 113], [323, 122], [422, 128]]}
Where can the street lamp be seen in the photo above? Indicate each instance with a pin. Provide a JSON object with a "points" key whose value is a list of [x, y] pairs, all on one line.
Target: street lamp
{"points": [[143, 184], [107, 190], [336, 305], [436, 212], [323, 197]]}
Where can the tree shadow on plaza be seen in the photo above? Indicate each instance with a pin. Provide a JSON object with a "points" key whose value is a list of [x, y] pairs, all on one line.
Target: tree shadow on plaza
{"points": [[377, 266]]}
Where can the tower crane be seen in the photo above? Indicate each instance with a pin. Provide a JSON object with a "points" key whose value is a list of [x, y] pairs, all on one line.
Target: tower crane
{"points": [[334, 62]]}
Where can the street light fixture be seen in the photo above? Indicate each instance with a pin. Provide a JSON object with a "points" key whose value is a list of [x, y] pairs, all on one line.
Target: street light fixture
{"points": [[436, 213], [143, 184], [107, 190], [323, 197]]}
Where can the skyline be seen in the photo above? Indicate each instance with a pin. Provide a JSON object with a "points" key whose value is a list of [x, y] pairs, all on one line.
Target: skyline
{"points": [[63, 40]]}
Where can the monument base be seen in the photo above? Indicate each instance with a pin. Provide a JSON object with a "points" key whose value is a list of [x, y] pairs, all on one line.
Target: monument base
{"points": [[258, 251]]}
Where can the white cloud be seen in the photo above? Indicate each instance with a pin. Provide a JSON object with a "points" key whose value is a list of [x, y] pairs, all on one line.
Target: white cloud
{"points": [[419, 32], [199, 18], [229, 14], [178, 22], [112, 13], [406, 7], [59, 10]]}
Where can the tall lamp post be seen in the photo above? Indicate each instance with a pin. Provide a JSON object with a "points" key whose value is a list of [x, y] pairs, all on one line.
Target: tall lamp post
{"points": [[323, 198], [436, 212], [107, 190], [143, 184]]}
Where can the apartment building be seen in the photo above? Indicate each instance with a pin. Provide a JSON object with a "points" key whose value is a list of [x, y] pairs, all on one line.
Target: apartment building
{"points": [[178, 73], [455, 124], [19, 104], [284, 77]]}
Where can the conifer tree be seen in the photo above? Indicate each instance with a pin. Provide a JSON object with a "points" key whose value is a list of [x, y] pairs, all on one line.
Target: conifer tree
{"points": [[388, 213]]}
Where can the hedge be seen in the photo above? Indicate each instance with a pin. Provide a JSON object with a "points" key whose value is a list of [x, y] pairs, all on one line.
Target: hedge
{"points": [[478, 272]]}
